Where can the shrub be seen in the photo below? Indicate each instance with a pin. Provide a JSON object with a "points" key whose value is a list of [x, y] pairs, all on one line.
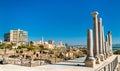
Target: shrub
{"points": [[117, 52]]}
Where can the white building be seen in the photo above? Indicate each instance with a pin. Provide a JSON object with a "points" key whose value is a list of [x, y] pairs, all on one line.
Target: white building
{"points": [[18, 36]]}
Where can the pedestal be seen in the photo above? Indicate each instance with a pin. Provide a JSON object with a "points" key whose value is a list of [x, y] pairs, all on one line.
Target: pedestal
{"points": [[90, 62]]}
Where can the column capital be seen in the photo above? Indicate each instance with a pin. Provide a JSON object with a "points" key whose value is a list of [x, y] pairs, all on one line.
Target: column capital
{"points": [[99, 19], [94, 14], [106, 38], [109, 32]]}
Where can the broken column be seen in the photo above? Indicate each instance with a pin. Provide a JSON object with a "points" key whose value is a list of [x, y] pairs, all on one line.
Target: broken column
{"points": [[100, 39], [96, 45], [90, 60]]}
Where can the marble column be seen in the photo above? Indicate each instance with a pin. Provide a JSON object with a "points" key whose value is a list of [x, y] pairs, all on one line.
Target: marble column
{"points": [[107, 47], [100, 39], [103, 42], [90, 60], [109, 50], [110, 42], [106, 68], [96, 45]]}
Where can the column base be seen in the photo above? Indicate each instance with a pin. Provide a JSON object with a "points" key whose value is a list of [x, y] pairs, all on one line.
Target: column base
{"points": [[101, 57], [97, 58], [90, 62], [105, 56], [111, 53]]}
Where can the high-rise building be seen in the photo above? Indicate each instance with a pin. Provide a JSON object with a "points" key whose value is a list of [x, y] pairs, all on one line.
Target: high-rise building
{"points": [[16, 36], [7, 37]]}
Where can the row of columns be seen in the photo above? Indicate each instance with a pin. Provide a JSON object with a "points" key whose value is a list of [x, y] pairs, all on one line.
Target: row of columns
{"points": [[98, 49]]}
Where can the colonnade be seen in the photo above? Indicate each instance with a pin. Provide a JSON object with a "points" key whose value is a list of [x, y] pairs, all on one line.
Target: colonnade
{"points": [[99, 48]]}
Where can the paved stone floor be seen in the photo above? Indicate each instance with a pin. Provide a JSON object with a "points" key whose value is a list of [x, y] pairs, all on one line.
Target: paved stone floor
{"points": [[71, 65]]}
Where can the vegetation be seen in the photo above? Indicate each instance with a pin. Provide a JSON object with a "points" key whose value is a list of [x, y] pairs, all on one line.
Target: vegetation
{"points": [[41, 47], [79, 54], [7, 46], [31, 52], [117, 52], [1, 46], [22, 47], [30, 48], [84, 51]]}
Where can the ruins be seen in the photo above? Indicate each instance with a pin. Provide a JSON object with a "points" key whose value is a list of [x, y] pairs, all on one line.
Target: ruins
{"points": [[98, 48]]}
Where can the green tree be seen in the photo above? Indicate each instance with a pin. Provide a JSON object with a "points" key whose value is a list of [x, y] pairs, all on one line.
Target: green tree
{"points": [[41, 47], [1, 46], [30, 48]]}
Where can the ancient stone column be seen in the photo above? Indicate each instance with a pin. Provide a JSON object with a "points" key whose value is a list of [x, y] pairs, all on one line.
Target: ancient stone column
{"points": [[100, 39], [107, 47], [103, 43], [110, 42], [90, 60], [96, 45], [109, 50]]}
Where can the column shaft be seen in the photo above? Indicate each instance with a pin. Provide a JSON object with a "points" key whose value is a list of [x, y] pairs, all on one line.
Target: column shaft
{"points": [[103, 42], [90, 61], [100, 39], [110, 41], [100, 35], [96, 44], [90, 44], [107, 47]]}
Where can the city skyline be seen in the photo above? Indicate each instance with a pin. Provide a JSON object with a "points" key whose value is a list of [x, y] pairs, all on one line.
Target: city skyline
{"points": [[63, 20]]}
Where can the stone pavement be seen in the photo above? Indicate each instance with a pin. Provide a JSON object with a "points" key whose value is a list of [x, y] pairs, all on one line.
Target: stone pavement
{"points": [[70, 65]]}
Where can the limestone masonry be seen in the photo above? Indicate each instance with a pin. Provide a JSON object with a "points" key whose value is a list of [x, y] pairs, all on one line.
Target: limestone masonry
{"points": [[98, 49]]}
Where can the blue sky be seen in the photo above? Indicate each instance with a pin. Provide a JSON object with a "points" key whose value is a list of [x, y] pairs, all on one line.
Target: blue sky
{"points": [[60, 20]]}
